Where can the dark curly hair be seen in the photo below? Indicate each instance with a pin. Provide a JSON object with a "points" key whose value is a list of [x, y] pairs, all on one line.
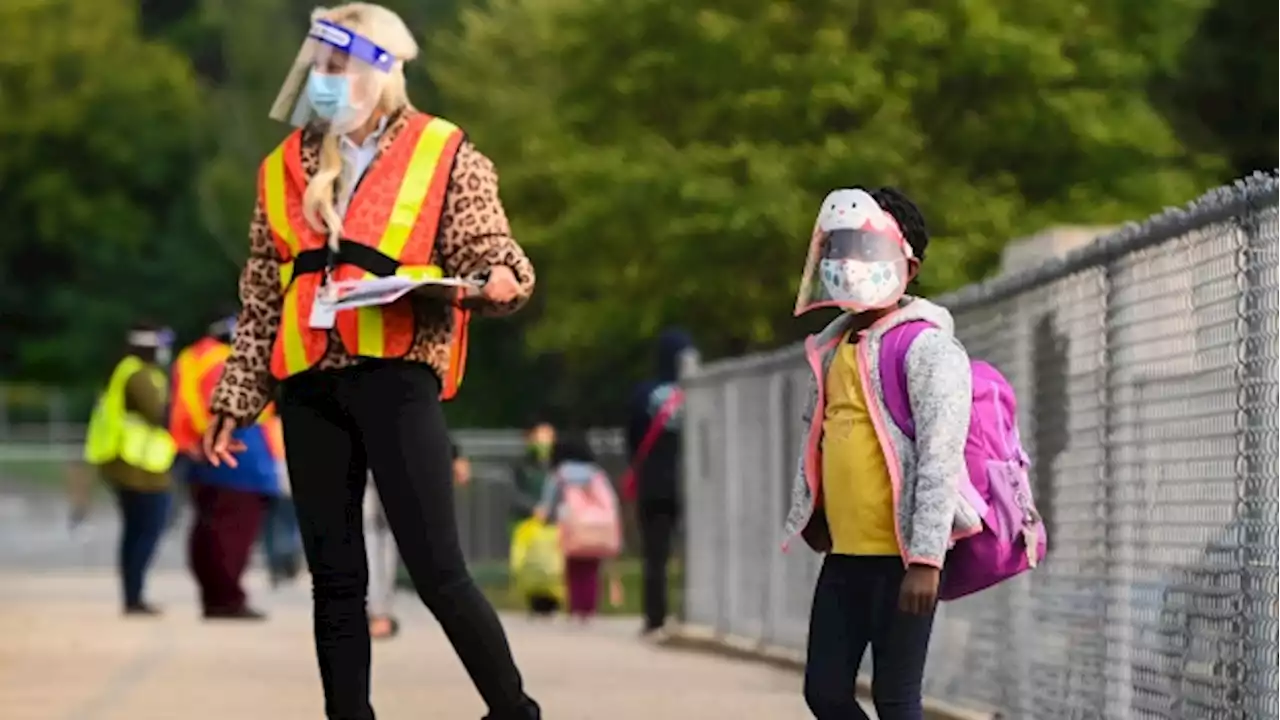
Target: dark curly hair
{"points": [[909, 218]]}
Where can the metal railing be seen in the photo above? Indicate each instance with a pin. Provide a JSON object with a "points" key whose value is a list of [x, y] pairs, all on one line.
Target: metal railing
{"points": [[43, 456], [1146, 372]]}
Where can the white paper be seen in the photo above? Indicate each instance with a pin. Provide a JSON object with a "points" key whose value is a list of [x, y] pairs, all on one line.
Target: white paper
{"points": [[381, 291], [322, 314]]}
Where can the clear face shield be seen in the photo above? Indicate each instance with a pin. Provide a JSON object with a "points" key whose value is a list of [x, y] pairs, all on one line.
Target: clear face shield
{"points": [[335, 82], [858, 258]]}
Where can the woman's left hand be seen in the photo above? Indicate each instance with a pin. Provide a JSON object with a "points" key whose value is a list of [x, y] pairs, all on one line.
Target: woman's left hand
{"points": [[501, 287]]}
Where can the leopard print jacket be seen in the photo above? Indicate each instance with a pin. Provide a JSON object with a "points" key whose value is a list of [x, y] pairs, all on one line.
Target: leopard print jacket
{"points": [[474, 235]]}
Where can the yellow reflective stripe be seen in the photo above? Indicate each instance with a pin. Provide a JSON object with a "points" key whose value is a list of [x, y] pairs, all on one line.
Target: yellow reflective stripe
{"points": [[190, 375], [420, 272], [273, 187], [295, 355], [414, 186], [286, 274], [369, 332]]}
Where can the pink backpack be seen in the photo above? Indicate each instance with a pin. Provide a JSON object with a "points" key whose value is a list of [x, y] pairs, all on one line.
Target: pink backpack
{"points": [[1013, 538], [589, 521]]}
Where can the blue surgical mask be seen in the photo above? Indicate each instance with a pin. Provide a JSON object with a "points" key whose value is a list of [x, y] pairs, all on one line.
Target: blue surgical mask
{"points": [[329, 95]]}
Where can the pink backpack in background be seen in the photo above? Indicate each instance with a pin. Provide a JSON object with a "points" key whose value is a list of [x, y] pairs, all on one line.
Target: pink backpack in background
{"points": [[1013, 538], [589, 521]]}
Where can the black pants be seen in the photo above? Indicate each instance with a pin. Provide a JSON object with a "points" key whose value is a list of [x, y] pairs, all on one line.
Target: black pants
{"points": [[385, 416], [854, 605], [143, 515], [657, 521]]}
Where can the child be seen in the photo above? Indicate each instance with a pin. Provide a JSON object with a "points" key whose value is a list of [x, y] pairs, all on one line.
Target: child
{"points": [[574, 468], [881, 507]]}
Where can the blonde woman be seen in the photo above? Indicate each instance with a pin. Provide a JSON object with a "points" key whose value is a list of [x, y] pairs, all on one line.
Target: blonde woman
{"points": [[369, 186]]}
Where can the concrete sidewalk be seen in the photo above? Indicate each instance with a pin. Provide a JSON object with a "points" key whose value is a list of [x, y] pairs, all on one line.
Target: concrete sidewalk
{"points": [[66, 654]]}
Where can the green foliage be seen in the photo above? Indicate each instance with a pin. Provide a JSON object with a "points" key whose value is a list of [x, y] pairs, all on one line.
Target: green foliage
{"points": [[100, 132], [661, 161], [664, 160], [1223, 94]]}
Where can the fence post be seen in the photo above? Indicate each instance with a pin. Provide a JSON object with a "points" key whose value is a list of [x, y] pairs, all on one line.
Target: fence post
{"points": [[1116, 618], [1258, 448], [690, 449]]}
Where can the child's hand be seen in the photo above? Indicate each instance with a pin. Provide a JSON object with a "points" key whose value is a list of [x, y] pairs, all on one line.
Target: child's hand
{"points": [[919, 590]]}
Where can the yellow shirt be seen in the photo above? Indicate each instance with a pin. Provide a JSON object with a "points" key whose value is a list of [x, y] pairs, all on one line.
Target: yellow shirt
{"points": [[857, 491]]}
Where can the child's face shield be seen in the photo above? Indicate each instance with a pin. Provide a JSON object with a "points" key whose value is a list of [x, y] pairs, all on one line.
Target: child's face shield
{"points": [[335, 82], [858, 259]]}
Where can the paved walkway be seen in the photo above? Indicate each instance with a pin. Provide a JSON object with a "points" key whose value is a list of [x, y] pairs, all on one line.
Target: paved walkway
{"points": [[65, 654]]}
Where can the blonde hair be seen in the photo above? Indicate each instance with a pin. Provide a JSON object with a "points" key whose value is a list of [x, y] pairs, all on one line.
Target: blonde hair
{"points": [[388, 30]]}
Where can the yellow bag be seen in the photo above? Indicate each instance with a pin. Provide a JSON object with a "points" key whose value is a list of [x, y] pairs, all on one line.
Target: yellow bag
{"points": [[537, 565]]}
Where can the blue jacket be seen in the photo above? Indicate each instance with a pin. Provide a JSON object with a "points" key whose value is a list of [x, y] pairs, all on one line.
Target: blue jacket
{"points": [[256, 471]]}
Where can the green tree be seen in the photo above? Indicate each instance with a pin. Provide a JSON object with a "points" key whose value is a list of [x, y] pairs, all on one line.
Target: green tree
{"points": [[1224, 92], [100, 133], [664, 160]]}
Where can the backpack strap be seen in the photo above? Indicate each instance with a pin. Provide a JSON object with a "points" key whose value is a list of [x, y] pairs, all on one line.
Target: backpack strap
{"points": [[894, 345], [656, 426]]}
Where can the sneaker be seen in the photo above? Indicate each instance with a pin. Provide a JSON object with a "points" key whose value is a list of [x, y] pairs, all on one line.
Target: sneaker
{"points": [[241, 613], [656, 635], [142, 610]]}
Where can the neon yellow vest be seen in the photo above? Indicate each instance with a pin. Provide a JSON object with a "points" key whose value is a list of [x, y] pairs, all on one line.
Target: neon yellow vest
{"points": [[115, 433]]}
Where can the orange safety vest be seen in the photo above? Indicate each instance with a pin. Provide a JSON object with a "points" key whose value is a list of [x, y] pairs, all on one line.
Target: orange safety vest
{"points": [[196, 372], [390, 229]]}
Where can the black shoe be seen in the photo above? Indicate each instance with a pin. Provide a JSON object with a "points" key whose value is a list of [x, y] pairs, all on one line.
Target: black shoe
{"points": [[530, 711], [142, 610], [241, 613]]}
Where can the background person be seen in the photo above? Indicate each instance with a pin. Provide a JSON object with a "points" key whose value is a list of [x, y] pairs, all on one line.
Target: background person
{"points": [[531, 474], [653, 444], [281, 541], [576, 470], [384, 559], [131, 450], [532, 469], [229, 503], [361, 390]]}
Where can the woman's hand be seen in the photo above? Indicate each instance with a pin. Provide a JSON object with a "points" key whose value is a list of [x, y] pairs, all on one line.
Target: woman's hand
{"points": [[501, 287], [218, 445]]}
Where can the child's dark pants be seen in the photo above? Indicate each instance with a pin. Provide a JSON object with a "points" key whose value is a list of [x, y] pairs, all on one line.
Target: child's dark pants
{"points": [[855, 605]]}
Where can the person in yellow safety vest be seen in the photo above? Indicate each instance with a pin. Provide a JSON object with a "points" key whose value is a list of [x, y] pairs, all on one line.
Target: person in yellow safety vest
{"points": [[369, 187], [129, 446], [230, 503]]}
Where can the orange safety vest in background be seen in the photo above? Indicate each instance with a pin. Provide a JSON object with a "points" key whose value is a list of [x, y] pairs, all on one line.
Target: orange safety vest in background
{"points": [[390, 229], [195, 374]]}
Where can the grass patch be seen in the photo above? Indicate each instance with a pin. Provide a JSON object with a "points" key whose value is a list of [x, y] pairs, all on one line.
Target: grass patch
{"points": [[44, 473], [495, 582]]}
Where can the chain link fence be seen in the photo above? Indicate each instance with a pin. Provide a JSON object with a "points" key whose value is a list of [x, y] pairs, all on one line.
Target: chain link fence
{"points": [[36, 455], [1146, 371]]}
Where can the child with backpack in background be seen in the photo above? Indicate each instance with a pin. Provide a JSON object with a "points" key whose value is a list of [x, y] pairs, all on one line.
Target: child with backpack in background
{"points": [[911, 459], [580, 500]]}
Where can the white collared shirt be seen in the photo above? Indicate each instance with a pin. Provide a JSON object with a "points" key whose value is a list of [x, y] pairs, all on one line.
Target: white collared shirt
{"points": [[355, 161]]}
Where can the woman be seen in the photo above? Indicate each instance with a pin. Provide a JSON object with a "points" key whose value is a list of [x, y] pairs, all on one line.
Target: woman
{"points": [[370, 186], [129, 446], [384, 559]]}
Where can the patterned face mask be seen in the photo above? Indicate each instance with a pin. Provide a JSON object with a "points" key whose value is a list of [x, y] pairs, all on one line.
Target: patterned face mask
{"points": [[866, 284]]}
